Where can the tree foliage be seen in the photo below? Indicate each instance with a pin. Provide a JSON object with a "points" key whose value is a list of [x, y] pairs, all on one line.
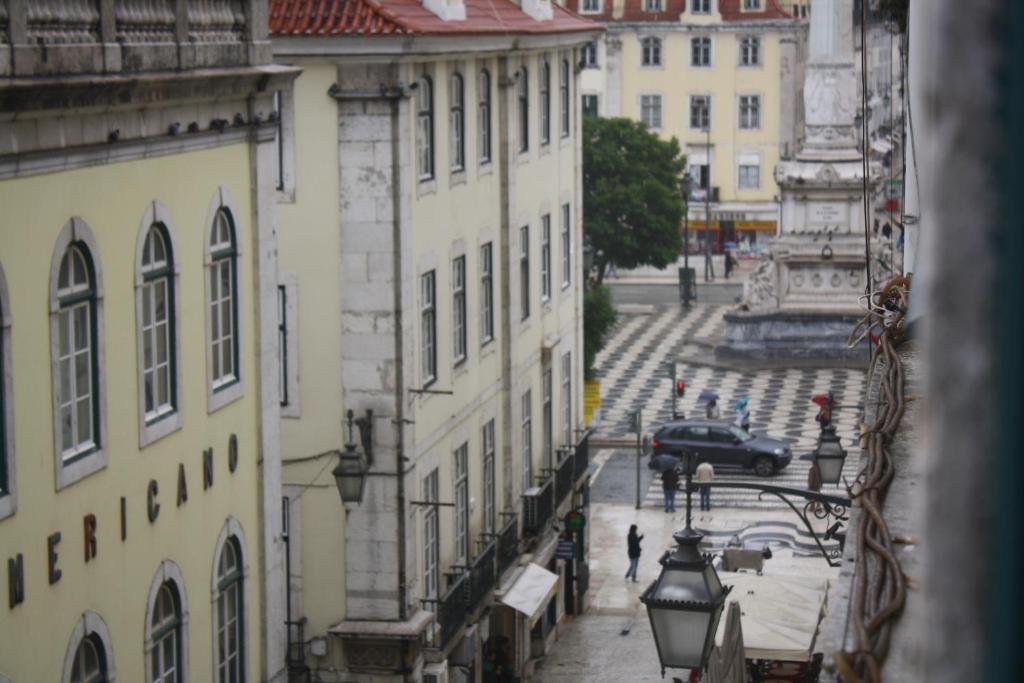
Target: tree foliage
{"points": [[598, 318], [632, 208]]}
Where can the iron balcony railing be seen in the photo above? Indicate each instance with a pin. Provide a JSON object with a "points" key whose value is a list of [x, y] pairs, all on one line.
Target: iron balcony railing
{"points": [[482, 575], [582, 457], [508, 544], [451, 608], [564, 477], [538, 506]]}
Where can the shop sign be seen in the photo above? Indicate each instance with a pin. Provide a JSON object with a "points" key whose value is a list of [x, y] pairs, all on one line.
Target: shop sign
{"points": [[566, 550]]}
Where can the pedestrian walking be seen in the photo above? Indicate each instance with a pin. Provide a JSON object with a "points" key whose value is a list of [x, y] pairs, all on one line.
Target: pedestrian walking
{"points": [[613, 272], [633, 550], [705, 473], [730, 263], [712, 411], [669, 484], [743, 413]]}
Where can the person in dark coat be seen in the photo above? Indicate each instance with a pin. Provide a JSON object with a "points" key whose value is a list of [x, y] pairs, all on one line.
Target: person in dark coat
{"points": [[633, 550], [669, 484]]}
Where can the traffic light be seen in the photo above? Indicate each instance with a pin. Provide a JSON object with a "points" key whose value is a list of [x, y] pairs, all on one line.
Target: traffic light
{"points": [[680, 387]]}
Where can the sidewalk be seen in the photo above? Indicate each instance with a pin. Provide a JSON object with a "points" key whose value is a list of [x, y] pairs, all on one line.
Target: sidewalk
{"points": [[648, 275], [613, 642]]}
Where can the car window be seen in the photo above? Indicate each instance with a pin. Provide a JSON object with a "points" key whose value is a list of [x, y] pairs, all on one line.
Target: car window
{"points": [[696, 434], [719, 435], [740, 434]]}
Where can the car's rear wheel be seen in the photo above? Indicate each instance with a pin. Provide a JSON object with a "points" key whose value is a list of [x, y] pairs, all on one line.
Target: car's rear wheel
{"points": [[764, 467]]}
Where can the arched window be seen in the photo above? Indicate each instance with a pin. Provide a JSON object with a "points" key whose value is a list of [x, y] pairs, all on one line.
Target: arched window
{"points": [[157, 325], [89, 658], [483, 90], [650, 52], [425, 128], [229, 650], [7, 497], [545, 103], [523, 93], [90, 665], [566, 101], [223, 301], [77, 354], [165, 661], [457, 122]]}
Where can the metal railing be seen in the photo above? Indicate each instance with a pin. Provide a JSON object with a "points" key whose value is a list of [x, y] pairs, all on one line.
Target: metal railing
{"points": [[508, 544], [451, 608], [482, 574], [564, 477], [538, 507], [582, 456]]}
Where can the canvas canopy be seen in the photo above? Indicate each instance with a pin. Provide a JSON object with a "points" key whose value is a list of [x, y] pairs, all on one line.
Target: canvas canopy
{"points": [[531, 592], [779, 614]]}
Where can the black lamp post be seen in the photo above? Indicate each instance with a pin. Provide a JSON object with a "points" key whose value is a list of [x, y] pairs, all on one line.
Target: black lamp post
{"points": [[351, 470], [685, 603], [830, 456], [686, 186]]}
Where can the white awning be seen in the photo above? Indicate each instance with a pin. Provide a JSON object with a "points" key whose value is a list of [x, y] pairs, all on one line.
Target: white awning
{"points": [[531, 592]]}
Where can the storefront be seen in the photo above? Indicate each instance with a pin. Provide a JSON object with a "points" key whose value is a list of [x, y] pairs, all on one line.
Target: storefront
{"points": [[745, 236]]}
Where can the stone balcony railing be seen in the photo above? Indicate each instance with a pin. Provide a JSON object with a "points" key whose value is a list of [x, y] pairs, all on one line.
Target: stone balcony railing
{"points": [[65, 37]]}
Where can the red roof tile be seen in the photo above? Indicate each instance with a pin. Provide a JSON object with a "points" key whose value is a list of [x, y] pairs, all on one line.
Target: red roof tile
{"points": [[633, 11], [386, 17], [730, 10]]}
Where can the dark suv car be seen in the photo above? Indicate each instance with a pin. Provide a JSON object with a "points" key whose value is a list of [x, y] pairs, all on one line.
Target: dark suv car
{"points": [[723, 445]]}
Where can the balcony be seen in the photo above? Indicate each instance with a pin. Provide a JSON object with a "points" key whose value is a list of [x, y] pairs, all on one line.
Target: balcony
{"points": [[451, 608], [481, 575], [582, 458], [508, 544], [564, 477], [538, 506]]}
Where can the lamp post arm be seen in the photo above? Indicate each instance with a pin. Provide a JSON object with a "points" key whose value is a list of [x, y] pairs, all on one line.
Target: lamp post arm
{"points": [[822, 505]]}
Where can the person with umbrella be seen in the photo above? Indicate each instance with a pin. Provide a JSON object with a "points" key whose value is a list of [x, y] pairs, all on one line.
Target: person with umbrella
{"points": [[743, 413], [711, 411], [826, 403]]}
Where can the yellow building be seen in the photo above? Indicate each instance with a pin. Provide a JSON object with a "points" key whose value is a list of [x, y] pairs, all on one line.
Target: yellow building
{"points": [[721, 76], [430, 255], [139, 461]]}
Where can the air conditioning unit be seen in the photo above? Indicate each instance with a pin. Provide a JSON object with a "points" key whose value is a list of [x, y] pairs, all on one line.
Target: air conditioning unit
{"points": [[531, 509], [435, 673]]}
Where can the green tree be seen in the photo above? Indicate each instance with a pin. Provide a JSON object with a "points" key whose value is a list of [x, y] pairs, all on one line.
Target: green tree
{"points": [[632, 208], [598, 320]]}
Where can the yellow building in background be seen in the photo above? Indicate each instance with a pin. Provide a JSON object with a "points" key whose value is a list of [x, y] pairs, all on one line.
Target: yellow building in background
{"points": [[721, 76], [139, 459]]}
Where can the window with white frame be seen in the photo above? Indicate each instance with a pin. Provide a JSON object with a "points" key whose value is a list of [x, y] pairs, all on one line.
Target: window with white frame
{"points": [[483, 127], [590, 106], [548, 418], [157, 325], [750, 112], [223, 302], [545, 103], [229, 614], [650, 51], [650, 110], [523, 96], [700, 112], [652, 5], [461, 472], [526, 438], [566, 247], [90, 661], [425, 128], [749, 174], [165, 646], [566, 101], [750, 51], [545, 257], [700, 6], [590, 6], [524, 272], [77, 354], [751, 5], [431, 538], [567, 398], [457, 122], [490, 489], [589, 55], [428, 328], [700, 51], [486, 293], [459, 344]]}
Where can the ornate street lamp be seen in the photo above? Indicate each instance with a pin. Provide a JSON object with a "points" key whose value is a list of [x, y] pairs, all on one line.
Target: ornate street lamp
{"points": [[686, 187], [351, 470], [830, 456], [685, 603]]}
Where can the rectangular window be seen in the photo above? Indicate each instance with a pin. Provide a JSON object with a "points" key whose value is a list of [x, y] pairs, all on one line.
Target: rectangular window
{"points": [[526, 431], [545, 257], [425, 128], [484, 115], [431, 542], [545, 103], [523, 94], [590, 106], [524, 272], [222, 316], [700, 112], [490, 490], [486, 293], [566, 247], [75, 357], [750, 112], [461, 470], [591, 5], [459, 345], [749, 5], [650, 52], [428, 328], [700, 51], [567, 399], [282, 345], [548, 416], [700, 6], [749, 177], [650, 110], [157, 373], [652, 5], [457, 122], [750, 51], [566, 101], [590, 55]]}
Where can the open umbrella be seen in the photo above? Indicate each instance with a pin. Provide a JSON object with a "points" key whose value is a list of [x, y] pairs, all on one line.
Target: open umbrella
{"points": [[707, 395], [822, 399], [742, 403], [663, 462], [730, 245]]}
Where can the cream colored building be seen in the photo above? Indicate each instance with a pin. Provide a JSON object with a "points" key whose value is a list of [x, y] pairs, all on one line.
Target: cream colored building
{"points": [[687, 68], [139, 462], [429, 250]]}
